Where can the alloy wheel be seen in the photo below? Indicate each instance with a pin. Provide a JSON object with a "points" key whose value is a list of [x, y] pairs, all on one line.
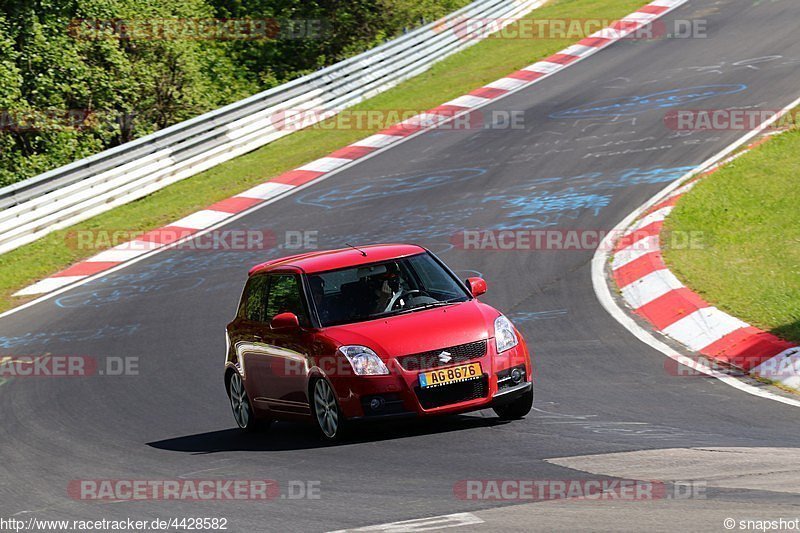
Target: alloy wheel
{"points": [[239, 403], [326, 409]]}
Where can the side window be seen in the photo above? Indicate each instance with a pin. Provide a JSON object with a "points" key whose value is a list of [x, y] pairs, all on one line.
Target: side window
{"points": [[285, 297], [256, 299]]}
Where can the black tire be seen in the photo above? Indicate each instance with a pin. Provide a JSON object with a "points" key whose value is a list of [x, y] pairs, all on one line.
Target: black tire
{"points": [[242, 409], [325, 411], [516, 409]]}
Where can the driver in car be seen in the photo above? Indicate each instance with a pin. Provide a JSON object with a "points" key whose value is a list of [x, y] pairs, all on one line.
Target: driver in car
{"points": [[388, 289]]}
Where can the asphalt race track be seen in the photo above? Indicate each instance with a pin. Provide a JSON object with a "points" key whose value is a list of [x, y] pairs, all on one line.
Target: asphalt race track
{"points": [[599, 390]]}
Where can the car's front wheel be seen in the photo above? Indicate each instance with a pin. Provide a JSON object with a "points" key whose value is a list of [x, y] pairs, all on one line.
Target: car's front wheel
{"points": [[240, 404], [516, 409], [328, 416]]}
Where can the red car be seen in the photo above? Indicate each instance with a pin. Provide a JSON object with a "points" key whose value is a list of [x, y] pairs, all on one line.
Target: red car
{"points": [[370, 333]]}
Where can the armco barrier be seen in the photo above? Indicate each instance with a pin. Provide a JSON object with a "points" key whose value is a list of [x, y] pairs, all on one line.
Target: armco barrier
{"points": [[64, 196]]}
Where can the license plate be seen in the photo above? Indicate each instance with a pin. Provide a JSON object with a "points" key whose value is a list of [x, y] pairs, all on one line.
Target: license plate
{"points": [[445, 376]]}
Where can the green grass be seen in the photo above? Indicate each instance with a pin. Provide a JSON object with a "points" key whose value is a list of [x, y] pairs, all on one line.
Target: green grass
{"points": [[457, 75], [749, 216]]}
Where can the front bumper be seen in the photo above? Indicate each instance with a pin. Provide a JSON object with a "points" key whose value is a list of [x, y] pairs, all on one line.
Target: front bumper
{"points": [[399, 395], [510, 394]]}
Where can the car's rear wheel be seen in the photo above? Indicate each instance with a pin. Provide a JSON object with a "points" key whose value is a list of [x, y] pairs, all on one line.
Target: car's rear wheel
{"points": [[328, 416], [516, 409], [240, 404]]}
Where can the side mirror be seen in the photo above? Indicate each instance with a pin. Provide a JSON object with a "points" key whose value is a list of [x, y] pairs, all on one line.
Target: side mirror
{"points": [[477, 286], [285, 321]]}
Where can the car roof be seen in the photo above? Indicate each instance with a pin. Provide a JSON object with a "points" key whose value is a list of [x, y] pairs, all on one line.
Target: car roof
{"points": [[320, 261]]}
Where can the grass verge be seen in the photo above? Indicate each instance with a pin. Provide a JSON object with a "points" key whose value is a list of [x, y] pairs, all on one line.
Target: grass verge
{"points": [[480, 64], [747, 213]]}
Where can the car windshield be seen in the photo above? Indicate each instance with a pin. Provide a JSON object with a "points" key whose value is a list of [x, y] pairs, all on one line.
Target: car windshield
{"points": [[383, 289]]}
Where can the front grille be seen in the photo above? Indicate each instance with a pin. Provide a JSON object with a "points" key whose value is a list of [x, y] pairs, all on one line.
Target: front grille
{"points": [[430, 398], [460, 353]]}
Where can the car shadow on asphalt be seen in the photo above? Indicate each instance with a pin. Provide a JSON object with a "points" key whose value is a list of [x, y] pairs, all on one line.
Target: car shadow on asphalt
{"points": [[282, 436]]}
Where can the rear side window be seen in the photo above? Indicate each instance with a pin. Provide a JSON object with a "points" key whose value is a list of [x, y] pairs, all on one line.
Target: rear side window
{"points": [[285, 297], [270, 294], [255, 299]]}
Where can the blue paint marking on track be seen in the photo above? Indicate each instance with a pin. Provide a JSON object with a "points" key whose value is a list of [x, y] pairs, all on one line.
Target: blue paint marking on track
{"points": [[370, 188], [120, 293], [181, 264], [160, 277], [634, 105], [539, 203], [548, 202], [74, 335]]}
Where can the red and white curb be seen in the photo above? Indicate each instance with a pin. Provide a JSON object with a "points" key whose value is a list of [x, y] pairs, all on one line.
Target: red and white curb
{"points": [[655, 294], [326, 166]]}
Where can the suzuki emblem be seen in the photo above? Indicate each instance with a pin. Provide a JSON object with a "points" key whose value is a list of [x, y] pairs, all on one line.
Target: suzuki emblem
{"points": [[445, 357]]}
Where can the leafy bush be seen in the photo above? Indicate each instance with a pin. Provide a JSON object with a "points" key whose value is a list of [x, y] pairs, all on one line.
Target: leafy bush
{"points": [[67, 92]]}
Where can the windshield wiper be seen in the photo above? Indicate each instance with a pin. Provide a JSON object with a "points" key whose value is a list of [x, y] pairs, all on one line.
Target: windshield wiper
{"points": [[386, 314], [430, 305]]}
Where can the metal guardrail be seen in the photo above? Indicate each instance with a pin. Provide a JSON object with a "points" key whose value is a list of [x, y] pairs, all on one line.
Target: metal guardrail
{"points": [[64, 196]]}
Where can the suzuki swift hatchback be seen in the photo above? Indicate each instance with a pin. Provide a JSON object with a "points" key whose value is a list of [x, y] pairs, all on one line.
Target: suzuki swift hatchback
{"points": [[372, 333]]}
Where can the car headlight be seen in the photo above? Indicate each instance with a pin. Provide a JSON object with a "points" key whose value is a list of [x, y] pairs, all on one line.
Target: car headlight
{"points": [[364, 361], [504, 335]]}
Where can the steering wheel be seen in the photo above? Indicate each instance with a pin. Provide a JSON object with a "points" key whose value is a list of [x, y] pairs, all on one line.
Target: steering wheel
{"points": [[396, 298]]}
